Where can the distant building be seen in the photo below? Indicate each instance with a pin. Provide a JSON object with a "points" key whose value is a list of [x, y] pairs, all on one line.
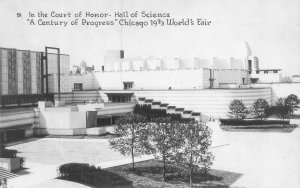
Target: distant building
{"points": [[82, 69]]}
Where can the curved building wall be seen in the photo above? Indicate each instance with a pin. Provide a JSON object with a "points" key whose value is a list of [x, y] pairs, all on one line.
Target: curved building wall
{"points": [[210, 102], [281, 90]]}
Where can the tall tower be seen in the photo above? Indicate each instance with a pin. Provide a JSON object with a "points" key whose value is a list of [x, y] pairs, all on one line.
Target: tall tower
{"points": [[252, 62]]}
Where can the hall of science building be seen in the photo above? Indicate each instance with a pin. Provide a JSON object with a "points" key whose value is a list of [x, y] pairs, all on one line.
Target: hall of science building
{"points": [[198, 85]]}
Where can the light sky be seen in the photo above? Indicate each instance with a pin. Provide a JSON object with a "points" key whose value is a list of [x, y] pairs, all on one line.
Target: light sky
{"points": [[271, 27]]}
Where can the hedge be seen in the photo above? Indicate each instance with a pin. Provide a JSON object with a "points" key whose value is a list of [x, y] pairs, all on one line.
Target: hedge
{"points": [[9, 153], [238, 122], [85, 173]]}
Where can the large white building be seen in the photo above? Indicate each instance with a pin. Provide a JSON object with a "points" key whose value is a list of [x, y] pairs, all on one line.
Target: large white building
{"points": [[128, 79]]}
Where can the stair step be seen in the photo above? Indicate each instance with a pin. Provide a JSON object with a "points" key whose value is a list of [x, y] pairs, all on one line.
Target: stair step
{"points": [[5, 174], [170, 108], [164, 105]]}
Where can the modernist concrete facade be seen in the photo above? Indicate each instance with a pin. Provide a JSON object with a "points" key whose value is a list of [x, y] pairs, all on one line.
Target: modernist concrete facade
{"points": [[21, 70], [199, 86], [173, 79]]}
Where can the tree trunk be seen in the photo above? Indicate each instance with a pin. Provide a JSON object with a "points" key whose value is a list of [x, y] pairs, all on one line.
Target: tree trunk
{"points": [[191, 174], [1, 144], [132, 157], [164, 169], [132, 148]]}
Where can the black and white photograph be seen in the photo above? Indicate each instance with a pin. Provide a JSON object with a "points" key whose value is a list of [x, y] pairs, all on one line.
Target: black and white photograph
{"points": [[149, 93]]}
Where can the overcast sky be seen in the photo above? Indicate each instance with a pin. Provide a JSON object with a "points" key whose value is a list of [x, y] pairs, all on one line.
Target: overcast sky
{"points": [[271, 27]]}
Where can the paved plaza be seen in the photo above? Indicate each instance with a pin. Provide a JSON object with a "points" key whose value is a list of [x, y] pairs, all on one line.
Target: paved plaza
{"points": [[264, 159]]}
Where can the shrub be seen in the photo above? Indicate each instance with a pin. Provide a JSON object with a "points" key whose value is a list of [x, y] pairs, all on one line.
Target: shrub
{"points": [[292, 101], [282, 112], [237, 109], [84, 173], [260, 107], [240, 122]]}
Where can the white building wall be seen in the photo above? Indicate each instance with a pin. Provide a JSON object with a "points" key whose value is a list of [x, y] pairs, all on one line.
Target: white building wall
{"points": [[232, 76], [158, 79], [280, 90], [67, 81], [64, 64], [267, 78], [174, 78]]}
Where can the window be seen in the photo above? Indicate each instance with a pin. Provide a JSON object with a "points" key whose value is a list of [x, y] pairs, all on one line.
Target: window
{"points": [[249, 65], [78, 86], [127, 85], [257, 72], [266, 72], [275, 71], [115, 98]]}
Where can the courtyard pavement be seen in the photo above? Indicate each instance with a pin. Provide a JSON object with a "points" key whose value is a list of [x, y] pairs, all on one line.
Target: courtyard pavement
{"points": [[265, 159], [43, 157]]}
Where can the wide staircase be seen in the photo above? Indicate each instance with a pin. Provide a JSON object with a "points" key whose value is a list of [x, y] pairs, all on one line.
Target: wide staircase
{"points": [[4, 174], [170, 109], [218, 138]]}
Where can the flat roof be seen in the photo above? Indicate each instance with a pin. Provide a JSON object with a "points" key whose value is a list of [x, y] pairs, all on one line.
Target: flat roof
{"points": [[268, 69], [29, 51]]}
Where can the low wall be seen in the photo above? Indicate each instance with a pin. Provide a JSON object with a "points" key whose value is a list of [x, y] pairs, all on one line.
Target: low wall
{"points": [[116, 108], [281, 89], [18, 120], [61, 118], [78, 96], [10, 164]]}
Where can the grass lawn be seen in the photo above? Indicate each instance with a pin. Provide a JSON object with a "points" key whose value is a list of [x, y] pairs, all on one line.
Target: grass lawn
{"points": [[149, 174]]}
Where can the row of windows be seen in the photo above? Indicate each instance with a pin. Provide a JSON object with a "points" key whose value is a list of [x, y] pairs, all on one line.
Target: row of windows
{"points": [[265, 72]]}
